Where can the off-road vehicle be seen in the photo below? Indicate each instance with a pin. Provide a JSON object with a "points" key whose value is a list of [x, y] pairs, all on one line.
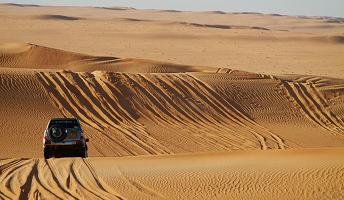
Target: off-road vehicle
{"points": [[64, 137]]}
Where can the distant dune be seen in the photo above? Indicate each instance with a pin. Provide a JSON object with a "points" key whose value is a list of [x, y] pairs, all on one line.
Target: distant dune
{"points": [[177, 105], [258, 43]]}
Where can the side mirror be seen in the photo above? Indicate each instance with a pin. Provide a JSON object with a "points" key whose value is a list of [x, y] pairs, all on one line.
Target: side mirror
{"points": [[86, 140]]}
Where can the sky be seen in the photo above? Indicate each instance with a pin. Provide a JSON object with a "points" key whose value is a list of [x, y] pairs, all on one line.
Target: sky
{"points": [[334, 8]]}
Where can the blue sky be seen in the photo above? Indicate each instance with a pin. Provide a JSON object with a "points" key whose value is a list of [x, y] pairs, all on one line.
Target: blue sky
{"points": [[333, 8]]}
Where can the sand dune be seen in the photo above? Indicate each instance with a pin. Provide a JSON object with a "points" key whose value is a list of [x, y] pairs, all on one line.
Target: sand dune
{"points": [[270, 21], [162, 107], [177, 105], [292, 45], [285, 174], [19, 55]]}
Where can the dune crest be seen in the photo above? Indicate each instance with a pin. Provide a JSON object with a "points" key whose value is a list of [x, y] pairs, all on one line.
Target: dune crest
{"points": [[13, 48], [30, 56]]}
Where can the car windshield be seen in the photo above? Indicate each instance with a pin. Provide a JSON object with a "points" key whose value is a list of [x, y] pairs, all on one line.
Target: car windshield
{"points": [[65, 123]]}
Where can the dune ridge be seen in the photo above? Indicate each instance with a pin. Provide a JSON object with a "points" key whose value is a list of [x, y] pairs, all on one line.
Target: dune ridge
{"points": [[29, 56]]}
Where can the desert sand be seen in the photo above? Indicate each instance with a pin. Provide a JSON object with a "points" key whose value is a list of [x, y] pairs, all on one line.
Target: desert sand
{"points": [[177, 105]]}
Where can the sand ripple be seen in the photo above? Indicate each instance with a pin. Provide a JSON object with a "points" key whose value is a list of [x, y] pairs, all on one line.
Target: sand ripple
{"points": [[301, 174]]}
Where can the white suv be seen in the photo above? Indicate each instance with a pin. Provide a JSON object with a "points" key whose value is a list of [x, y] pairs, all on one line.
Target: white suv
{"points": [[64, 137]]}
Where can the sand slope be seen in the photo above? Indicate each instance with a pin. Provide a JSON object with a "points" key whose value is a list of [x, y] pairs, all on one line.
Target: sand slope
{"points": [[282, 174], [198, 109]]}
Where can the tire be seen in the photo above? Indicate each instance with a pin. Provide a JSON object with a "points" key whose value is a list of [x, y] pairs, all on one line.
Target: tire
{"points": [[83, 153], [46, 153], [57, 133]]}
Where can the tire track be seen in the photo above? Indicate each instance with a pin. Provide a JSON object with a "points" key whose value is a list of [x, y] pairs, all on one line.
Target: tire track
{"points": [[100, 183], [312, 104], [118, 105], [240, 115], [21, 181], [4, 166], [136, 187], [184, 92], [140, 85], [52, 179], [57, 179], [322, 105], [78, 97]]}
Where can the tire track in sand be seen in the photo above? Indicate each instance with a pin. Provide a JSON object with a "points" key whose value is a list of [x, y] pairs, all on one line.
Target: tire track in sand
{"points": [[81, 95], [310, 100], [199, 116], [121, 107], [52, 179], [226, 104]]}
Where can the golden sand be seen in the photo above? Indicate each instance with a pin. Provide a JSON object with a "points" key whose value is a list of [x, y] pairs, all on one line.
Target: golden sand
{"points": [[177, 105]]}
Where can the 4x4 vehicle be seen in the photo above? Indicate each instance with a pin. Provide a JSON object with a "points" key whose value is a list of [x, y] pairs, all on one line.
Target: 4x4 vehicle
{"points": [[64, 137]]}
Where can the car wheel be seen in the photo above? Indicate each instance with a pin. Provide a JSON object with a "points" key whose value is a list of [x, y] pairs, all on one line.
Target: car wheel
{"points": [[57, 133], [83, 153], [46, 153]]}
